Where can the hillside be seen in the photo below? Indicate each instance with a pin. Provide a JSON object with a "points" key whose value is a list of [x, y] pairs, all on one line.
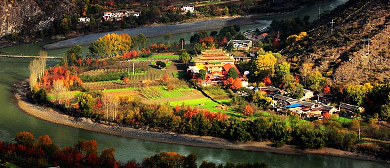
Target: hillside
{"points": [[31, 15], [340, 53]]}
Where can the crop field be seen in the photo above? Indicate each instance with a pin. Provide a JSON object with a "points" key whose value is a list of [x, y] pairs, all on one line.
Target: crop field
{"points": [[216, 93], [161, 92], [207, 104]]}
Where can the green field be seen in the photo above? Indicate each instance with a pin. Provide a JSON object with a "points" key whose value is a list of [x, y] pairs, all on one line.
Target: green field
{"points": [[344, 120], [207, 104], [161, 92], [158, 57]]}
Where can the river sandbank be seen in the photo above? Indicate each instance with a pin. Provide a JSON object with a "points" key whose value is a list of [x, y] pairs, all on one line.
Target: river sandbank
{"points": [[51, 115]]}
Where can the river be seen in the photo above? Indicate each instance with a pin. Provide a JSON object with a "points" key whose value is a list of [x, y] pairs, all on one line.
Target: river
{"points": [[13, 120]]}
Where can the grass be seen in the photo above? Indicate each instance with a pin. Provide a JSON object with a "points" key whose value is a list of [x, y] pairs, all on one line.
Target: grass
{"points": [[344, 120], [206, 104], [161, 92], [158, 57], [63, 95]]}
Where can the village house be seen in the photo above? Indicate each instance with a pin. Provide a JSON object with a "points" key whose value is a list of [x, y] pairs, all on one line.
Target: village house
{"points": [[118, 15], [216, 63], [241, 44], [350, 110], [84, 20], [304, 109], [307, 94], [188, 8]]}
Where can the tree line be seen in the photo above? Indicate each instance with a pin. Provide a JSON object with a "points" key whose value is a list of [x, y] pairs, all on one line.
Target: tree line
{"points": [[42, 152]]}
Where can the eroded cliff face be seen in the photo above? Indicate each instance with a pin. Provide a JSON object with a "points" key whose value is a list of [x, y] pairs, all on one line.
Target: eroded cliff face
{"points": [[30, 15]]}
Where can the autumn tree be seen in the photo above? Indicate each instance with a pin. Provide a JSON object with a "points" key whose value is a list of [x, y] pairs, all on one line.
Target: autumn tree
{"points": [[267, 81], [86, 102], [111, 45], [233, 83], [25, 138], [326, 90], [107, 158], [248, 110], [265, 64], [58, 88], [37, 70]]}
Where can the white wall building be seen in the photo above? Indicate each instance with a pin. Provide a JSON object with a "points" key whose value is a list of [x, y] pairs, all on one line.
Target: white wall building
{"points": [[188, 8]]}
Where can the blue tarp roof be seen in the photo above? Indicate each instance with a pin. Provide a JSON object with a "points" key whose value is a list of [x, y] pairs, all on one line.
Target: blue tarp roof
{"points": [[294, 105]]}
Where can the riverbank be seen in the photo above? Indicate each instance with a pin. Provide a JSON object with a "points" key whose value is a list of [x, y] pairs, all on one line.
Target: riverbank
{"points": [[57, 117]]}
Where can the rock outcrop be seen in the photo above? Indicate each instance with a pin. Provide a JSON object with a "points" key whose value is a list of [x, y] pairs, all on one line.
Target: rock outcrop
{"points": [[30, 15]]}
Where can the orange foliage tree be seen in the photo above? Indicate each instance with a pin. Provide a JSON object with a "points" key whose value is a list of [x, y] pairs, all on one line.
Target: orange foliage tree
{"points": [[233, 83], [248, 110]]}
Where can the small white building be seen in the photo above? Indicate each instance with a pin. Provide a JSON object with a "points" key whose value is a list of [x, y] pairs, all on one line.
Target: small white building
{"points": [[107, 16], [84, 20], [188, 8], [241, 44], [307, 94]]}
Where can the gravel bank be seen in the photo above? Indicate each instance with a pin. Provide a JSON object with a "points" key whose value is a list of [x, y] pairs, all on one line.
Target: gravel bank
{"points": [[57, 117]]}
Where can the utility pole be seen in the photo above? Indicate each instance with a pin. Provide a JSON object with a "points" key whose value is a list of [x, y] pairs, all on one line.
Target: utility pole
{"points": [[319, 12], [332, 23], [366, 50]]}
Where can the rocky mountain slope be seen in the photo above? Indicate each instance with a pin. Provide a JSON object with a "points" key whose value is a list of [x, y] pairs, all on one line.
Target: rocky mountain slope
{"points": [[30, 15], [358, 48]]}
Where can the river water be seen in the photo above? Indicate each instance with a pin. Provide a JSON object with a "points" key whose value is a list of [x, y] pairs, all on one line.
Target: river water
{"points": [[13, 120]]}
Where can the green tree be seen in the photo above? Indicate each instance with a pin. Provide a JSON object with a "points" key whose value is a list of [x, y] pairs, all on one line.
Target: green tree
{"points": [[197, 49], [161, 64], [97, 48], [295, 90], [73, 54], [232, 73], [202, 74], [282, 69], [139, 41], [315, 81], [262, 100], [185, 57], [65, 24], [86, 102]]}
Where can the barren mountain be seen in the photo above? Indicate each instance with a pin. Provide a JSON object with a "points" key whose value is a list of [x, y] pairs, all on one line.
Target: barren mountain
{"points": [[356, 50]]}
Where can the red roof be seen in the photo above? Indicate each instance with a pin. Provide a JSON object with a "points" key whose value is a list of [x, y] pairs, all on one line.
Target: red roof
{"points": [[226, 67]]}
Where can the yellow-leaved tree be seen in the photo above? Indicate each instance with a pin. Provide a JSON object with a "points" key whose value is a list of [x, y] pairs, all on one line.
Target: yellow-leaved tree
{"points": [[111, 45], [265, 64]]}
